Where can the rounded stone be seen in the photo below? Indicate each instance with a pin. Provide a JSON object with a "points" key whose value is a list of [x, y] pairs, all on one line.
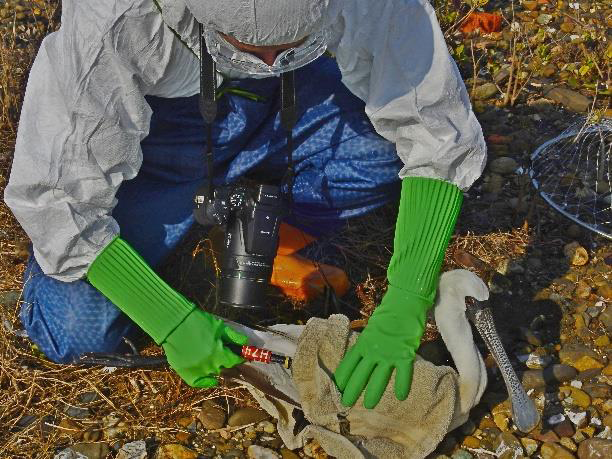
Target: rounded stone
{"points": [[503, 165], [212, 416], [245, 416], [580, 397], [595, 448], [555, 451]]}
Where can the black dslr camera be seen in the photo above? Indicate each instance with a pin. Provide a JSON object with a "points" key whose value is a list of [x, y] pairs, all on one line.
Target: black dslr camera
{"points": [[252, 217], [251, 214]]}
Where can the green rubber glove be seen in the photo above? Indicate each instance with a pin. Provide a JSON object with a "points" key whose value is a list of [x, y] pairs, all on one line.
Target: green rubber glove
{"points": [[192, 339], [427, 215]]}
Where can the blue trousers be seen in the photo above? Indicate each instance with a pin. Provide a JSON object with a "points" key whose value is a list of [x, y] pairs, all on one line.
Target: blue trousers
{"points": [[343, 169]]}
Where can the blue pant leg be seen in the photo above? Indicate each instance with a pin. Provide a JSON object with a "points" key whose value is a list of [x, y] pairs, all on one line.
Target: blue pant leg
{"points": [[67, 319]]}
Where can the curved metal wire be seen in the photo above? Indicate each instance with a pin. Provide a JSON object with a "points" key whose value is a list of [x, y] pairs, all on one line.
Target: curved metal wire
{"points": [[573, 174]]}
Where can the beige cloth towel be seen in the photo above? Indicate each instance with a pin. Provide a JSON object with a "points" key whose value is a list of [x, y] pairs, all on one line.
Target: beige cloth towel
{"points": [[393, 429]]}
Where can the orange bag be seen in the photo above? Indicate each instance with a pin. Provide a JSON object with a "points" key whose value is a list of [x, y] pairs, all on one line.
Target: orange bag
{"points": [[486, 22], [298, 277]]}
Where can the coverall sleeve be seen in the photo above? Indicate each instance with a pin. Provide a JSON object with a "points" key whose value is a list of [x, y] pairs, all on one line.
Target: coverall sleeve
{"points": [[82, 121], [392, 55]]}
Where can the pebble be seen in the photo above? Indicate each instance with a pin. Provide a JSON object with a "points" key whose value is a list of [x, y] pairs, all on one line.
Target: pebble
{"points": [[555, 451], [580, 357], [598, 390], [88, 450], [259, 452], [602, 341], [471, 442], [77, 412], [547, 437], [605, 291], [503, 165], [553, 375], [68, 454], [493, 183], [606, 319], [245, 416], [462, 454], [538, 362], [212, 416], [485, 91], [565, 428], [133, 450], [175, 451], [89, 397], [529, 445], [567, 442], [576, 254], [570, 99], [502, 421], [9, 298], [595, 448], [26, 420], [580, 397], [508, 442]]}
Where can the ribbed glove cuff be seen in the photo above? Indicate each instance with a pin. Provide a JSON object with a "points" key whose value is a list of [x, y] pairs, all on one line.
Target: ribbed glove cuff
{"points": [[126, 279], [427, 215]]}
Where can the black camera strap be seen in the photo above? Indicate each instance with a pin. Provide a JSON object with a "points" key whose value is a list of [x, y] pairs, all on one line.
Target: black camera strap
{"points": [[208, 109], [208, 103]]}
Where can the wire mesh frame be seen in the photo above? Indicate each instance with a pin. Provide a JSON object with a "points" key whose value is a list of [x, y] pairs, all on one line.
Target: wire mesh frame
{"points": [[565, 169]]}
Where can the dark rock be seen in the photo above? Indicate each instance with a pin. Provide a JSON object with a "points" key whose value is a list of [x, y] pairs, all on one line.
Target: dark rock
{"points": [[46, 426], [595, 448], [550, 376], [503, 165], [89, 397], [247, 416], [26, 420], [565, 428], [547, 436], [502, 75], [570, 99], [77, 412]]}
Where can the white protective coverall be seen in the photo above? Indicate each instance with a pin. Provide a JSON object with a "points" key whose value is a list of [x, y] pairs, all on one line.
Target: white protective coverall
{"points": [[85, 114]]}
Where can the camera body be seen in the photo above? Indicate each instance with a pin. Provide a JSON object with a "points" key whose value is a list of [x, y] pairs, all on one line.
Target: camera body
{"points": [[252, 216]]}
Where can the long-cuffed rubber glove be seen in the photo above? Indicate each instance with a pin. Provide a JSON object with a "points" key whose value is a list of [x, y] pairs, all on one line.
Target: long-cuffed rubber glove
{"points": [[427, 215], [192, 339]]}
